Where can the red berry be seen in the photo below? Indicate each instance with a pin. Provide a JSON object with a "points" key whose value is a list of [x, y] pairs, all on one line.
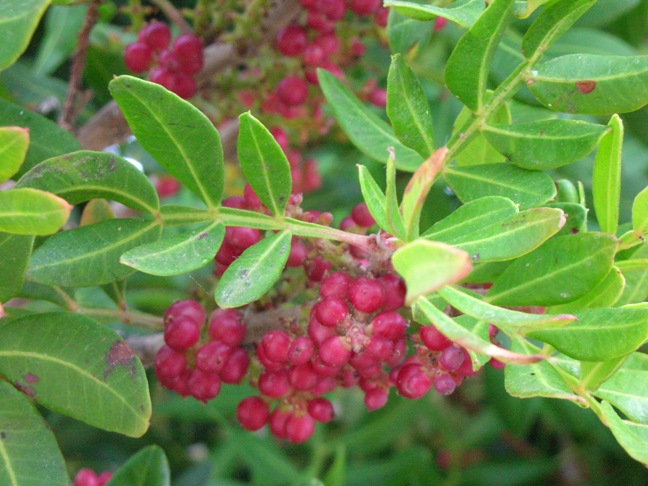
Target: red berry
{"points": [[292, 90], [301, 350], [169, 363], [366, 295], [242, 238], [412, 382], [319, 333], [298, 253], [181, 334], [313, 55], [186, 86], [433, 339], [316, 268], [361, 215], [321, 409], [333, 352], [252, 413], [156, 35], [167, 186], [187, 308], [236, 367], [364, 7], [291, 41], [380, 347], [86, 477], [164, 78], [104, 477], [319, 22], [335, 285], [444, 384], [329, 43], [251, 197], [211, 357], [299, 428], [440, 23], [451, 358], [274, 384], [376, 398], [227, 325], [331, 311], [168, 60], [308, 4], [276, 344], [378, 97], [138, 57], [203, 386], [303, 377], [188, 46], [333, 9], [394, 291], [381, 16], [281, 137], [277, 422], [390, 325]]}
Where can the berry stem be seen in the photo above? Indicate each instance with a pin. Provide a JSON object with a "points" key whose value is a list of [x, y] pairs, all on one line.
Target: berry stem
{"points": [[174, 15], [132, 318]]}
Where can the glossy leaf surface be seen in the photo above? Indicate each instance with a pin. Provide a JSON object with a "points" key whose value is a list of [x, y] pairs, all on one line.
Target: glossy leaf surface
{"points": [[32, 212], [628, 388], [177, 255], [178, 136], [14, 255], [19, 21], [100, 382], [148, 467], [29, 454], [369, 133], [606, 177], [632, 437], [89, 255], [255, 272], [264, 164], [463, 12], [81, 176], [14, 142]]}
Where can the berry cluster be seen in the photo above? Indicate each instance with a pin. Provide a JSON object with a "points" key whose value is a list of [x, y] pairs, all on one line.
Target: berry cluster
{"points": [[191, 364], [87, 477], [173, 68]]}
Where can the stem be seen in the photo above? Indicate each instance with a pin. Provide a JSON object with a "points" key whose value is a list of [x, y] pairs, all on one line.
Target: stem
{"points": [[78, 65], [174, 15], [132, 318]]}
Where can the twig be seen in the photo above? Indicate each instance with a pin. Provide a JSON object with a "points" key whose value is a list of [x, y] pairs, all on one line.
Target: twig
{"points": [[173, 15], [78, 65]]}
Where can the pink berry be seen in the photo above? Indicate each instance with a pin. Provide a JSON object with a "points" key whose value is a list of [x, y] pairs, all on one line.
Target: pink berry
{"points": [[186, 86], [211, 357], [333, 9], [292, 90], [364, 7], [440, 23], [321, 409], [156, 35], [390, 325], [252, 413], [104, 477], [319, 333], [366, 295], [236, 367], [291, 41], [169, 363], [187, 308], [333, 352], [86, 477], [242, 238], [316, 269], [281, 137], [319, 22], [251, 197], [181, 334], [227, 325], [188, 46], [381, 16], [395, 291], [331, 311], [313, 55], [164, 78], [336, 285], [412, 382], [303, 377], [308, 4], [168, 60], [380, 347], [433, 339], [376, 398], [276, 344], [274, 384], [444, 384], [277, 422], [298, 253], [362, 216], [451, 358], [203, 386], [299, 428], [138, 57], [329, 43], [301, 350], [378, 97]]}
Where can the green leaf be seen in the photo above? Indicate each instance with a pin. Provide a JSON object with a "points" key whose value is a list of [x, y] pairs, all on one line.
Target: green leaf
{"points": [[551, 24], [367, 132], [462, 12], [86, 372], [575, 215], [640, 213], [264, 164], [546, 144], [373, 198], [535, 380], [427, 266], [47, 139], [62, 27], [591, 84], [178, 135], [593, 373], [478, 151], [254, 273], [512, 237], [524, 8], [408, 108], [467, 69], [565, 268], [85, 175], [605, 294], [18, 21], [418, 189], [95, 211], [519, 321], [524, 187], [606, 177], [632, 437], [148, 467], [29, 454], [392, 211], [180, 254], [627, 389], [89, 255], [471, 217], [32, 212], [14, 142], [404, 33], [426, 313], [599, 334], [635, 273], [14, 255]]}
